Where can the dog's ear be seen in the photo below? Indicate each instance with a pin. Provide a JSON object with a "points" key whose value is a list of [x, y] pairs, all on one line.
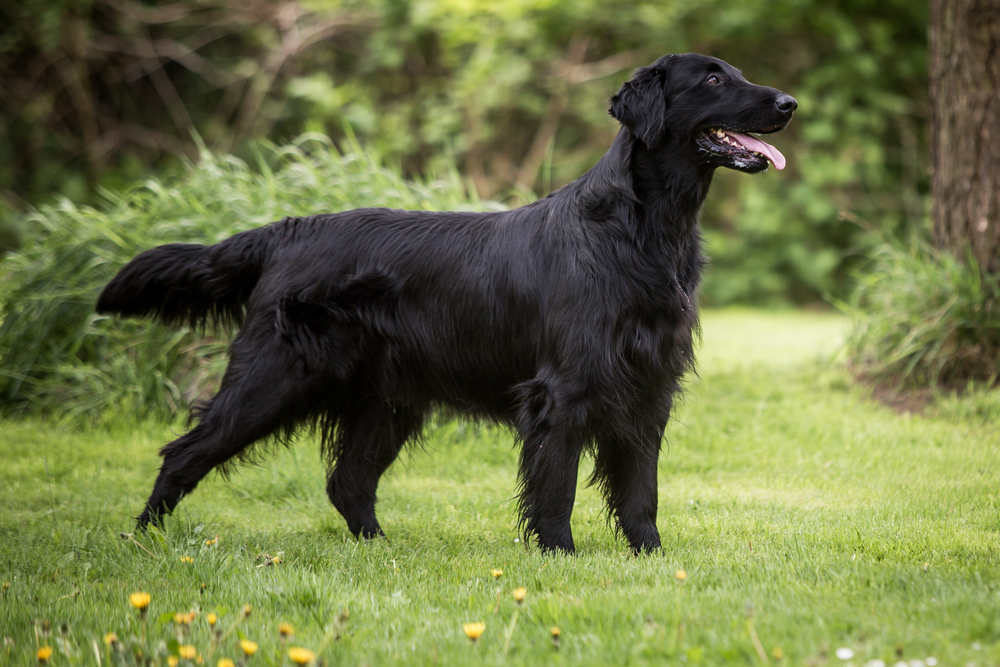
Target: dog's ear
{"points": [[641, 105]]}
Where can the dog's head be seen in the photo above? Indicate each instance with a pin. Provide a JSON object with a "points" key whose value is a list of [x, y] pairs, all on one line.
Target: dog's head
{"points": [[705, 105]]}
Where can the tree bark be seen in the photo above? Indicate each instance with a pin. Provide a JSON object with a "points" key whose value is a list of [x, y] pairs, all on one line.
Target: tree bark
{"points": [[964, 38]]}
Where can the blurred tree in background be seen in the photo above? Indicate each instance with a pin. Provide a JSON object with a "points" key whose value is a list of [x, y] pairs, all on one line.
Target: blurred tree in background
{"points": [[965, 151], [927, 314], [97, 92]]}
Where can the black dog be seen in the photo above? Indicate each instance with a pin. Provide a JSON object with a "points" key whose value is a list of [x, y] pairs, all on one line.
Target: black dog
{"points": [[569, 319]]}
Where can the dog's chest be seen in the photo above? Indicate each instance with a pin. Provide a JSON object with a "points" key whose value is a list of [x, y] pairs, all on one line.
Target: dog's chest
{"points": [[657, 342]]}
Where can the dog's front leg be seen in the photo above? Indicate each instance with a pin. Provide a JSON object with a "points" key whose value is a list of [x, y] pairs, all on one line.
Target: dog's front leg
{"points": [[550, 458], [625, 469]]}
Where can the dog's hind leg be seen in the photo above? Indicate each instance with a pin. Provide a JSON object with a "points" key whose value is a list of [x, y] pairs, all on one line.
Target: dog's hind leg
{"points": [[369, 437], [625, 470], [550, 459], [263, 391]]}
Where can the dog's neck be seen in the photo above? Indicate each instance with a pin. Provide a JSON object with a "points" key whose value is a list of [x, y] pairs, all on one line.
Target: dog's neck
{"points": [[663, 201], [628, 206], [673, 189]]}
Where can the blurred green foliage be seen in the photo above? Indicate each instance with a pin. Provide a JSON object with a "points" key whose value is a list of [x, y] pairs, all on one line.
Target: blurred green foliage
{"points": [[512, 91]]}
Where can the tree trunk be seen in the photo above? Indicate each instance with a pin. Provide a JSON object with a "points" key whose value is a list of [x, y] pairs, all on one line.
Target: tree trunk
{"points": [[965, 127]]}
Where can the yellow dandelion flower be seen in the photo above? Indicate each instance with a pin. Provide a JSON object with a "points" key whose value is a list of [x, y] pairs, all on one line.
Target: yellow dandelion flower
{"points": [[187, 651], [187, 559], [519, 594], [555, 632], [212, 541], [184, 617], [474, 630], [44, 653], [212, 619], [172, 661], [285, 630], [249, 647], [247, 609], [496, 573], [681, 575], [225, 662], [140, 601], [301, 656], [110, 638]]}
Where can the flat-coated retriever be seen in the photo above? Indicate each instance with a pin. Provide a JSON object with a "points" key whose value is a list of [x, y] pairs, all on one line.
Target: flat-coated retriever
{"points": [[569, 319]]}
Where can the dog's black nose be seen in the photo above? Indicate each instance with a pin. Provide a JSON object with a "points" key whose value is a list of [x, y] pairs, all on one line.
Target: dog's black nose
{"points": [[786, 103]]}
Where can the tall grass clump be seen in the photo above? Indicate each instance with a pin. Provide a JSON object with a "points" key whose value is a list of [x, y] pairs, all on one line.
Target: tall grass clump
{"points": [[58, 356], [925, 319]]}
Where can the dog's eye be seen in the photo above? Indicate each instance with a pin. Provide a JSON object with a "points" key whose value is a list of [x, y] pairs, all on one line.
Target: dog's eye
{"points": [[713, 79]]}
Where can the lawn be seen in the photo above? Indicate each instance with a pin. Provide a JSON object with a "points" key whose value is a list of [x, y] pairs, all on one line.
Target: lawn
{"points": [[800, 520]]}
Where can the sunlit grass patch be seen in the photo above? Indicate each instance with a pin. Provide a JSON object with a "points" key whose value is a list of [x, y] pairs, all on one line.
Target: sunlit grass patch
{"points": [[799, 512]]}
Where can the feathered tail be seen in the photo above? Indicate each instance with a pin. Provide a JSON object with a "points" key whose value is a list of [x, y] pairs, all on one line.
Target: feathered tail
{"points": [[183, 283]]}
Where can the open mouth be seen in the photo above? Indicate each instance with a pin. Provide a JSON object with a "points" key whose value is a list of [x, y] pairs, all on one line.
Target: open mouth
{"points": [[742, 149]]}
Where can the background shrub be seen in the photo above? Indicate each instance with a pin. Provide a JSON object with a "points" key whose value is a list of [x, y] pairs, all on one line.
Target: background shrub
{"points": [[58, 355], [924, 318]]}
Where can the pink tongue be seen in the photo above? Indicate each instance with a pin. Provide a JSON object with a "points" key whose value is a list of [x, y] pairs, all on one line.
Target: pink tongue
{"points": [[754, 144]]}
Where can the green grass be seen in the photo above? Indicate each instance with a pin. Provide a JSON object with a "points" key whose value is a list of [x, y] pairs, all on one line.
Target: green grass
{"points": [[807, 518]]}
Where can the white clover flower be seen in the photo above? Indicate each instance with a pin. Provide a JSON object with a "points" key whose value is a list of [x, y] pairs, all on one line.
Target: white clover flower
{"points": [[844, 653]]}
